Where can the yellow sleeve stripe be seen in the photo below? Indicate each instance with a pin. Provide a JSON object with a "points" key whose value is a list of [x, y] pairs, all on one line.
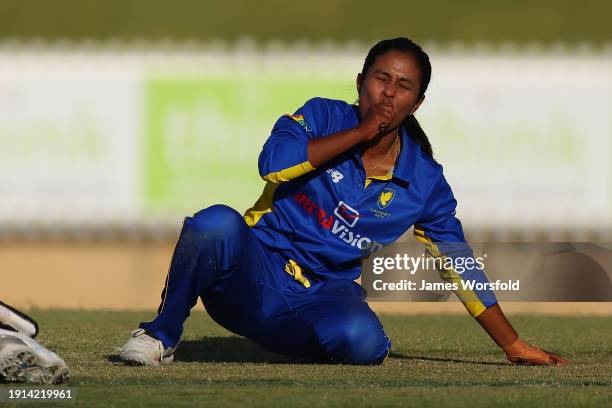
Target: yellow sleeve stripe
{"points": [[290, 173], [468, 297]]}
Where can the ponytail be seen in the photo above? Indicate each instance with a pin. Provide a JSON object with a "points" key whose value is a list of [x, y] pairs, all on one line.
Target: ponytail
{"points": [[417, 134]]}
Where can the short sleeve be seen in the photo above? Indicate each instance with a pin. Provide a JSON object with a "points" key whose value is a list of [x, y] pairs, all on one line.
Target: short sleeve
{"points": [[284, 156]]}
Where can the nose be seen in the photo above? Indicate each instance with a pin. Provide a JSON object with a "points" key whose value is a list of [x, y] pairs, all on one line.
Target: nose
{"points": [[389, 90]]}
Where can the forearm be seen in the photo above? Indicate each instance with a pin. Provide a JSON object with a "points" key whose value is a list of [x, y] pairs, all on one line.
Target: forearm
{"points": [[497, 326], [326, 148], [375, 123]]}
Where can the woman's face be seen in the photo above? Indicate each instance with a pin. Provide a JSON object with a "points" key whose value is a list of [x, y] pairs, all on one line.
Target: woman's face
{"points": [[394, 79]]}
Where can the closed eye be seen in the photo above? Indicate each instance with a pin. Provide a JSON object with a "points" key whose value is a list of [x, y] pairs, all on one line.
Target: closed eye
{"points": [[405, 85]]}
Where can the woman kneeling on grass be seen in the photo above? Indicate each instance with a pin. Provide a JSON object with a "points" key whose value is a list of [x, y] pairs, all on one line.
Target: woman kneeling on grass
{"points": [[283, 274]]}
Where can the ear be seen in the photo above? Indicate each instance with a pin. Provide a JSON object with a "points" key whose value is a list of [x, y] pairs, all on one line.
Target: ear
{"points": [[359, 81], [414, 109]]}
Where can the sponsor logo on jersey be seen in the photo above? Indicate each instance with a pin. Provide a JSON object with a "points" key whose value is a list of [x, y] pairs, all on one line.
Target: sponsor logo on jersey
{"points": [[347, 215], [385, 197], [336, 176], [301, 121]]}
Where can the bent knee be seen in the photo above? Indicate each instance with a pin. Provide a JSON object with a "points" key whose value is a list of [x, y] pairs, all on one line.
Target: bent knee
{"points": [[215, 222], [360, 340]]}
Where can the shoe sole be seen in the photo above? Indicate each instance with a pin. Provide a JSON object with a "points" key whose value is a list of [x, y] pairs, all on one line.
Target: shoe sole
{"points": [[18, 363], [141, 359]]}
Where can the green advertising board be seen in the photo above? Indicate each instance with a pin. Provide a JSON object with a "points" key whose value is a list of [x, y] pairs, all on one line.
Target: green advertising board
{"points": [[203, 136]]}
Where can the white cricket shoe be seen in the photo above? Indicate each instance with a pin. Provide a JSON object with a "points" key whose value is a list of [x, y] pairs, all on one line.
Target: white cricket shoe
{"points": [[23, 359], [142, 349], [18, 321]]}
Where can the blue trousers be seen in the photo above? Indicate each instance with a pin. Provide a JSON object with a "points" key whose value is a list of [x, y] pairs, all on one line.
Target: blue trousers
{"points": [[244, 288]]}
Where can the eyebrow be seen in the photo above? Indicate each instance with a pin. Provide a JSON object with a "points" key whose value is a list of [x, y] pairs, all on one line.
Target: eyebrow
{"points": [[402, 79]]}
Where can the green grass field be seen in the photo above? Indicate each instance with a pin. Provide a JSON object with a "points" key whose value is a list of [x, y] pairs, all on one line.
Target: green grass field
{"points": [[436, 361]]}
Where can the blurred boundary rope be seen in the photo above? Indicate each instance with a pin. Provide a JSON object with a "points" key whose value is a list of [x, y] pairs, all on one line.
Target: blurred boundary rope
{"points": [[249, 45], [166, 230]]}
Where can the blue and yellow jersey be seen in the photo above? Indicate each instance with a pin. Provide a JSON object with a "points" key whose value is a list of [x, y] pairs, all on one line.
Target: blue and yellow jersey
{"points": [[326, 219]]}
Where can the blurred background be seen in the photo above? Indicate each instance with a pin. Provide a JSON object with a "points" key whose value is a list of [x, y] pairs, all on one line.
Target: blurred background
{"points": [[119, 118]]}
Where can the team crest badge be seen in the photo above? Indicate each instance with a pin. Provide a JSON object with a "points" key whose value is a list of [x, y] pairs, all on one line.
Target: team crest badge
{"points": [[385, 197]]}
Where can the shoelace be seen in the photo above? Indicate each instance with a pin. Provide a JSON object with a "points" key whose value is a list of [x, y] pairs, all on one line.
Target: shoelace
{"points": [[143, 337]]}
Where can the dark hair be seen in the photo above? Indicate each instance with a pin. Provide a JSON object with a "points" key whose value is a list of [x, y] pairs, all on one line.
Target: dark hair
{"points": [[406, 45]]}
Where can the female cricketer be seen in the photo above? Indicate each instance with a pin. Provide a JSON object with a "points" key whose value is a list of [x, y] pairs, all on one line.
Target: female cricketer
{"points": [[283, 273]]}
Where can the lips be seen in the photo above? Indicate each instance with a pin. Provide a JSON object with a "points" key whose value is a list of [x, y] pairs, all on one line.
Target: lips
{"points": [[387, 103]]}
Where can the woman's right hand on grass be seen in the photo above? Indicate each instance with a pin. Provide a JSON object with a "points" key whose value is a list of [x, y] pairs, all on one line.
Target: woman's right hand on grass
{"points": [[522, 353]]}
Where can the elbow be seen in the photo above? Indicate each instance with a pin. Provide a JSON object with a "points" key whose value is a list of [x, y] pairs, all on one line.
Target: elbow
{"points": [[268, 174], [272, 178], [287, 174], [265, 168], [275, 170]]}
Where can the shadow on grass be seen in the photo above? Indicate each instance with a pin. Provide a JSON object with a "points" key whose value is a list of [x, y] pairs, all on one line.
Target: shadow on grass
{"points": [[229, 350], [400, 356], [241, 350]]}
